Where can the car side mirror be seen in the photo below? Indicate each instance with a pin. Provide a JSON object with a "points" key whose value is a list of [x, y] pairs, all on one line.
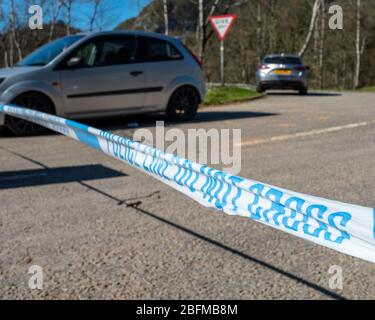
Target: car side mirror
{"points": [[75, 62]]}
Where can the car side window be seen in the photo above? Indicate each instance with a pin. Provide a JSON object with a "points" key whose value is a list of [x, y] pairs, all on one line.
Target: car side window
{"points": [[108, 52], [152, 50], [117, 51], [88, 54]]}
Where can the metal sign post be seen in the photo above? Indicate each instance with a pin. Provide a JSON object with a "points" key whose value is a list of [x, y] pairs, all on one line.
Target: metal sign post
{"points": [[222, 25], [222, 78]]}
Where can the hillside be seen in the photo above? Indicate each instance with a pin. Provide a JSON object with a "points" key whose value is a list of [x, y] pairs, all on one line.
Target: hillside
{"points": [[182, 18]]}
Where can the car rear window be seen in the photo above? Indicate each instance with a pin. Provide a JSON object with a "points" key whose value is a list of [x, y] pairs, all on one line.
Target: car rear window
{"points": [[152, 49], [282, 60]]}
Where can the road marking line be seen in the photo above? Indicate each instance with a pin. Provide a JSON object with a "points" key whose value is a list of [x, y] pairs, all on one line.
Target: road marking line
{"points": [[304, 134]]}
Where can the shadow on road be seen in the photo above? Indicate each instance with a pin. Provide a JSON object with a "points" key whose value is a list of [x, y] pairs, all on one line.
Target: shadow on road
{"points": [[38, 177], [310, 94], [46, 175], [149, 120]]}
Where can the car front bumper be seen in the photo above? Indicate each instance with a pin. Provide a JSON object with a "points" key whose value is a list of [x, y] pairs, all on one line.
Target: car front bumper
{"points": [[2, 114], [6, 97], [2, 119]]}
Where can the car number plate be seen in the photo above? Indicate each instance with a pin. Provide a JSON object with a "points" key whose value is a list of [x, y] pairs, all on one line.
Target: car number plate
{"points": [[284, 72]]}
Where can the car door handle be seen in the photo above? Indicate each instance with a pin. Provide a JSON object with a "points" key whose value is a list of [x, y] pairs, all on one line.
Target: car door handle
{"points": [[136, 73]]}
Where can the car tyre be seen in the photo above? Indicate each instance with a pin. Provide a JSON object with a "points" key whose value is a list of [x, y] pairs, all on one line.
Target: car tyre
{"points": [[303, 91], [31, 100], [183, 104], [260, 89]]}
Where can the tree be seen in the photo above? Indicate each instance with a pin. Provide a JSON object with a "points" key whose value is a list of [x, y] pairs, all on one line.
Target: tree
{"points": [[201, 30], [321, 49], [55, 11], [314, 15], [259, 31], [94, 13], [68, 4], [3, 36], [358, 46], [12, 36], [166, 17]]}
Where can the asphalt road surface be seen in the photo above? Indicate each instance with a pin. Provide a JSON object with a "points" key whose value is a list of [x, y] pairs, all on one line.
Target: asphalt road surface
{"points": [[101, 229]]}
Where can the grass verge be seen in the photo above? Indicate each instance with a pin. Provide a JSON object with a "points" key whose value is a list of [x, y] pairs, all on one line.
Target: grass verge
{"points": [[367, 89], [222, 95]]}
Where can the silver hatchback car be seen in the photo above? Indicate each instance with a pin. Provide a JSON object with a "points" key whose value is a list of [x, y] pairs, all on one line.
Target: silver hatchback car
{"points": [[280, 71], [104, 74]]}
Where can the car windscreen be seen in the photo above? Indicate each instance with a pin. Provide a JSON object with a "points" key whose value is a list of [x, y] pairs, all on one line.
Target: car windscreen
{"points": [[282, 60], [48, 52]]}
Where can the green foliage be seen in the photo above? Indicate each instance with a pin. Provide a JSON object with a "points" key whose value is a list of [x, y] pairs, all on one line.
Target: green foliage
{"points": [[367, 89], [222, 95]]}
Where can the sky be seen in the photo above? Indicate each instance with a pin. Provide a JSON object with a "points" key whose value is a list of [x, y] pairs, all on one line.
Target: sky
{"points": [[117, 11], [114, 11]]}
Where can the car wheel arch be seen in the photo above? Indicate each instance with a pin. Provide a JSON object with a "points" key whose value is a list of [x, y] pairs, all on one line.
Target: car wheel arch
{"points": [[183, 86], [38, 92]]}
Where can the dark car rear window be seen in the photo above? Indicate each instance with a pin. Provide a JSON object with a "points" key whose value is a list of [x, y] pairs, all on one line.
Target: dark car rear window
{"points": [[283, 60], [152, 49]]}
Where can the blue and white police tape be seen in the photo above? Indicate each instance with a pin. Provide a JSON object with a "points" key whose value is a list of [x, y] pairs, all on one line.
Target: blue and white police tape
{"points": [[343, 227]]}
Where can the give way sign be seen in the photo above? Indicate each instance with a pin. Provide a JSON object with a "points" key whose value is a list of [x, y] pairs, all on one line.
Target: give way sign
{"points": [[222, 24]]}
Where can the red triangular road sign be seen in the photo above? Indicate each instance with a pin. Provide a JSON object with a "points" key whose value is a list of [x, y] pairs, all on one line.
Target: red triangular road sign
{"points": [[222, 24]]}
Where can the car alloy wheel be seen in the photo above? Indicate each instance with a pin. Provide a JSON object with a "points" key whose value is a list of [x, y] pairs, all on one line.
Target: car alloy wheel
{"points": [[33, 101], [183, 104]]}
